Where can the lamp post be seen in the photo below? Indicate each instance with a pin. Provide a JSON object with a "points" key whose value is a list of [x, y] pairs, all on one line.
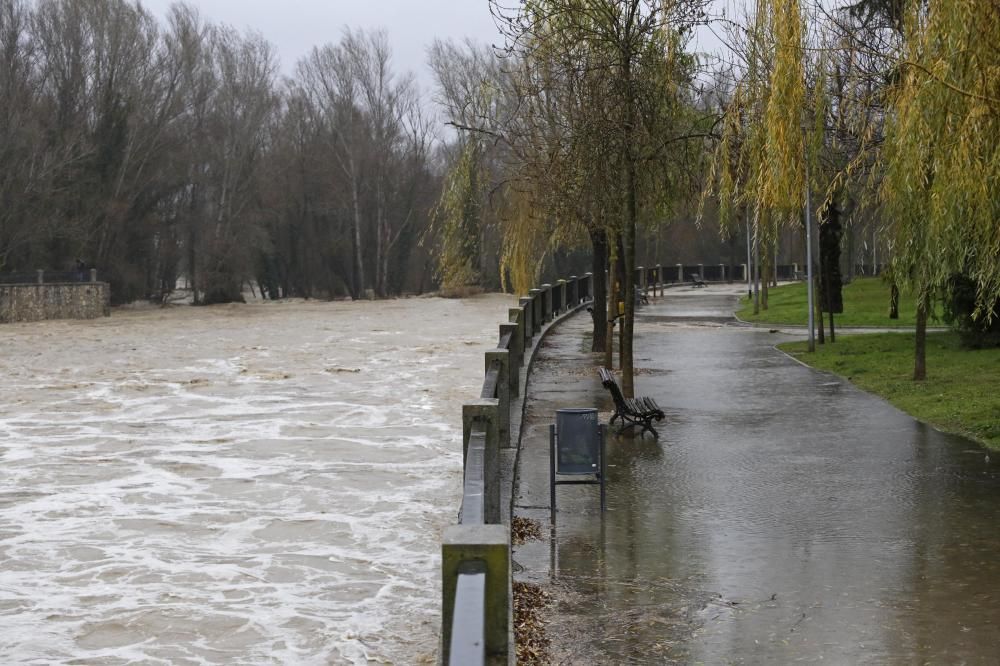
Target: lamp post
{"points": [[809, 266]]}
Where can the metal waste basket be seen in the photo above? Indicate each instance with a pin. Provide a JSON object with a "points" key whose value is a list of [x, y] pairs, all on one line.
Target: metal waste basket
{"points": [[576, 447]]}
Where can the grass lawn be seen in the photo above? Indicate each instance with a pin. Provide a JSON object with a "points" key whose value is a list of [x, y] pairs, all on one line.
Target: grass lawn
{"points": [[961, 394], [866, 303]]}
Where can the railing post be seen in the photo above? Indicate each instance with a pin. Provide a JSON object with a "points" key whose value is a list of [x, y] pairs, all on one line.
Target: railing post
{"points": [[489, 544], [680, 272], [641, 277], [722, 272], [744, 270], [485, 413], [517, 316], [659, 279], [516, 355], [93, 275], [588, 294], [527, 320], [40, 276], [536, 309], [701, 272], [501, 358]]}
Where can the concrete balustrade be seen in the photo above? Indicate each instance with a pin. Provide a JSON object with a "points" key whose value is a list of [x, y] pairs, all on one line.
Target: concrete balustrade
{"points": [[476, 552]]}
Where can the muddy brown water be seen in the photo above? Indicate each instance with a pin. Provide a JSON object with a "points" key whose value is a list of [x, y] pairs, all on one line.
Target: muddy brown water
{"points": [[783, 517], [261, 483]]}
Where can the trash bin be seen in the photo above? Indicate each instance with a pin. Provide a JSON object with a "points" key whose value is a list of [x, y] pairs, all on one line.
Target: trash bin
{"points": [[576, 446], [579, 442]]}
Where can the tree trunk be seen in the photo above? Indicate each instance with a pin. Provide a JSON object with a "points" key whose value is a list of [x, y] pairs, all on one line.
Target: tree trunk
{"points": [[756, 274], [599, 259], [774, 266], [920, 344], [732, 255], [830, 232], [359, 266], [609, 347], [765, 286], [628, 238], [379, 240], [818, 290], [192, 264], [850, 253]]}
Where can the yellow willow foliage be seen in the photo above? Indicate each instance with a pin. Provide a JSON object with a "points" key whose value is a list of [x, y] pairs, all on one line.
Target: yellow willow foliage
{"points": [[526, 241], [458, 216], [942, 153], [726, 168], [814, 149], [782, 173], [758, 162]]}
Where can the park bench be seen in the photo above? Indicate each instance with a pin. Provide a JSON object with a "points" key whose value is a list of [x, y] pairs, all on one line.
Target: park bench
{"points": [[696, 281], [641, 297], [632, 411]]}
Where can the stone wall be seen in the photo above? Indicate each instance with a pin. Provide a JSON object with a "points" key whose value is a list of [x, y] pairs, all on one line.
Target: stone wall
{"points": [[66, 300]]}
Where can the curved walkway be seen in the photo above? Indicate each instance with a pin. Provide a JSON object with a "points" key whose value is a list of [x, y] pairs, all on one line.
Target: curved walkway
{"points": [[783, 515]]}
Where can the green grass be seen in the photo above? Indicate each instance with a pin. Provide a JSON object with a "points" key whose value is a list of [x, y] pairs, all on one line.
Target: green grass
{"points": [[961, 394], [866, 303]]}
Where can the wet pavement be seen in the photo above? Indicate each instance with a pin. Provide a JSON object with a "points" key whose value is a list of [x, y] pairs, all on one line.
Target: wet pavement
{"points": [[783, 516]]}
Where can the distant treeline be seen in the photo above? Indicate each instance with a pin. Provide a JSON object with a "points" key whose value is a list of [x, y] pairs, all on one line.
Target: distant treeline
{"points": [[165, 150]]}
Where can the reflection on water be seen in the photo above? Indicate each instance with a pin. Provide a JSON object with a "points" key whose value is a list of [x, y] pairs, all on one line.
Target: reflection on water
{"points": [[261, 483], [783, 516]]}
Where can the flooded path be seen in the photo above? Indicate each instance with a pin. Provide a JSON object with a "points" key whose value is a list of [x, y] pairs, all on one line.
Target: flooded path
{"points": [[784, 516], [239, 484]]}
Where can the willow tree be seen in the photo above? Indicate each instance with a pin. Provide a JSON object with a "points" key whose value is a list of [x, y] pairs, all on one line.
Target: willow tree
{"points": [[759, 160], [626, 56], [942, 157], [457, 218]]}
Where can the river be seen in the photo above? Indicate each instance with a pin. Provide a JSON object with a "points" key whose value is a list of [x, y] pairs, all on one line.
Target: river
{"points": [[261, 483]]}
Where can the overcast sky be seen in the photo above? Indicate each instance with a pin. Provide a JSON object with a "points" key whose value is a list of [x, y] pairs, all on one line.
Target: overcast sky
{"points": [[295, 26]]}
